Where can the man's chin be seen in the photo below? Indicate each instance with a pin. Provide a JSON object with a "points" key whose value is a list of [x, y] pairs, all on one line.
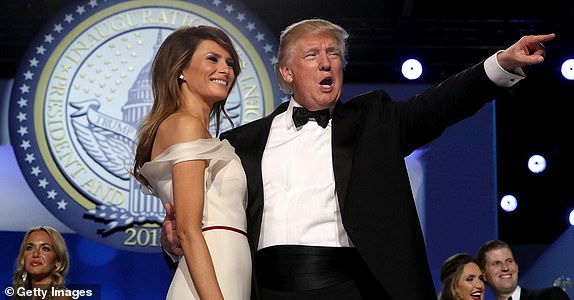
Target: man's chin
{"points": [[330, 99]]}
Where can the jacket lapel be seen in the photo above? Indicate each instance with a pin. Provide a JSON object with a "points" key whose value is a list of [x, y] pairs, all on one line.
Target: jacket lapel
{"points": [[342, 139], [251, 149]]}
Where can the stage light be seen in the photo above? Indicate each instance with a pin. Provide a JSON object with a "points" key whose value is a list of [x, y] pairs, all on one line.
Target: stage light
{"points": [[537, 163], [508, 203], [571, 218], [568, 69], [412, 69]]}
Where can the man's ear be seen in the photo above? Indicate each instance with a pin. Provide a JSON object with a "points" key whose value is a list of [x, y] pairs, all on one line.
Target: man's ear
{"points": [[286, 73]]}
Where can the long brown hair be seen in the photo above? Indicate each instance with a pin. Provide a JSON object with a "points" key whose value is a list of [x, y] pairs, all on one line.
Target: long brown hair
{"points": [[172, 57]]}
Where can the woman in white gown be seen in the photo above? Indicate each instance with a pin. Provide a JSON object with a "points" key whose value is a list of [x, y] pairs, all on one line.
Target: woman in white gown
{"points": [[179, 161]]}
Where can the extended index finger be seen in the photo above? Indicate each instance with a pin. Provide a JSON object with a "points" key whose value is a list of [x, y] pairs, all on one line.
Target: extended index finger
{"points": [[542, 38]]}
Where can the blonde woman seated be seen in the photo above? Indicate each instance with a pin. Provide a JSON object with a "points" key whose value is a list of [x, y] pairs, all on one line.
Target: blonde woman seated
{"points": [[42, 265]]}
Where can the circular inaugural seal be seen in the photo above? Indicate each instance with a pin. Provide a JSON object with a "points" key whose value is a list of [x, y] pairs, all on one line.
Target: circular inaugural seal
{"points": [[81, 90]]}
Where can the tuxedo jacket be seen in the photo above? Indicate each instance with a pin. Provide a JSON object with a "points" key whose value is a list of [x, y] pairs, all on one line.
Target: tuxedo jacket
{"points": [[371, 136], [551, 293]]}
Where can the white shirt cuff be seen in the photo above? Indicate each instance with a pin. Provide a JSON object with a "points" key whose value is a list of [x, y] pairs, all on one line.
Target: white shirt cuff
{"points": [[500, 76]]}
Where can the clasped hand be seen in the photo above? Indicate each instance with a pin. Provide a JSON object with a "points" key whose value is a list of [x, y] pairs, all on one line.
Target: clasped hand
{"points": [[168, 236]]}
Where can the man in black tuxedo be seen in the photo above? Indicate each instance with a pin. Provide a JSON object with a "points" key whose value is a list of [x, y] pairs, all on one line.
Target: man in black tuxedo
{"points": [[330, 211], [501, 274]]}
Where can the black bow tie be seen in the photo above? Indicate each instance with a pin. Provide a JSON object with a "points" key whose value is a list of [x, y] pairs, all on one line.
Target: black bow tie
{"points": [[301, 116]]}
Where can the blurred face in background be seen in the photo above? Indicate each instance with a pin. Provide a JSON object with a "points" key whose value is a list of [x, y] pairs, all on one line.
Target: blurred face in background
{"points": [[501, 271], [470, 284], [40, 259]]}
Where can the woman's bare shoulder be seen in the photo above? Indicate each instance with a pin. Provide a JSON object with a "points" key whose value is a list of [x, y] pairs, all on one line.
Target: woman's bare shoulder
{"points": [[178, 128]]}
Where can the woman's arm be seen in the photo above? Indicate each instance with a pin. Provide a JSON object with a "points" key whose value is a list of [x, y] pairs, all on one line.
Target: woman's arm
{"points": [[188, 192], [188, 196]]}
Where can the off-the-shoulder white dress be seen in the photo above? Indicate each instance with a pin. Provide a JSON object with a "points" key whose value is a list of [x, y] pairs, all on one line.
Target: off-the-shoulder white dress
{"points": [[224, 220]]}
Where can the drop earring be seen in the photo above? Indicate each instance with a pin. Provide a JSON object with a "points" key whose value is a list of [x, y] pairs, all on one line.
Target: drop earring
{"points": [[24, 276], [180, 79]]}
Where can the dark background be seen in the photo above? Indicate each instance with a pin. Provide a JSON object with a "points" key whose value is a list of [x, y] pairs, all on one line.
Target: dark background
{"points": [[448, 36]]}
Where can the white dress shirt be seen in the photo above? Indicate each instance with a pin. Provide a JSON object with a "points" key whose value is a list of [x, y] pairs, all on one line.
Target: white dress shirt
{"points": [[516, 294], [301, 206]]}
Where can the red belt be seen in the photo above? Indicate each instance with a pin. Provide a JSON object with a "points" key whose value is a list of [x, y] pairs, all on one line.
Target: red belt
{"points": [[224, 228]]}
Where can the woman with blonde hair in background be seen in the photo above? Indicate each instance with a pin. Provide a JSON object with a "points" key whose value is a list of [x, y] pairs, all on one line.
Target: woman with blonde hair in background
{"points": [[42, 263]]}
